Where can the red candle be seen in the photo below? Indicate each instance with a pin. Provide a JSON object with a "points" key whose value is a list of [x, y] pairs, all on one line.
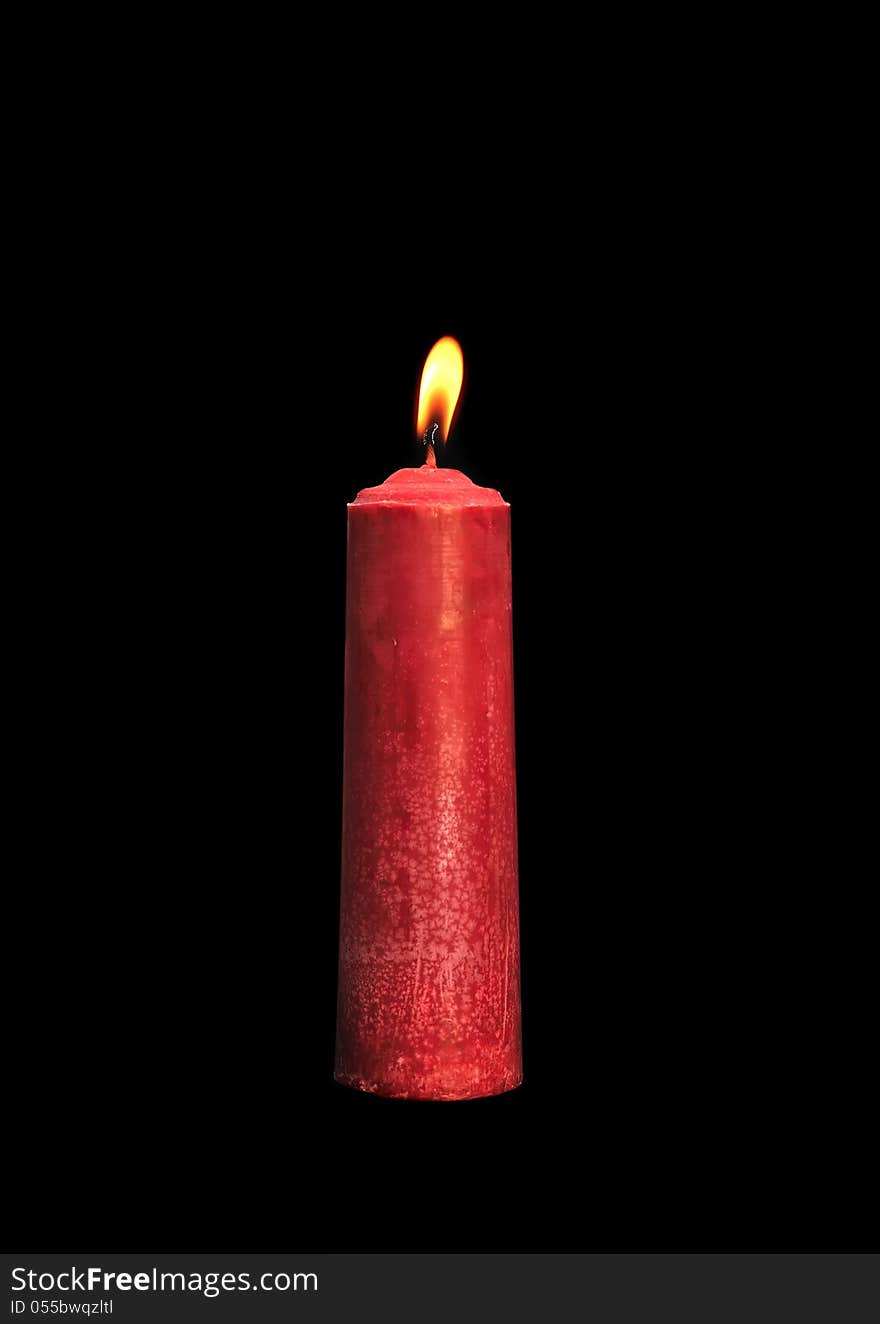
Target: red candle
{"points": [[429, 1002]]}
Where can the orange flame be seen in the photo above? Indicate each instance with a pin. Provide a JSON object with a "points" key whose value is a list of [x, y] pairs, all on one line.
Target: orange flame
{"points": [[441, 386]]}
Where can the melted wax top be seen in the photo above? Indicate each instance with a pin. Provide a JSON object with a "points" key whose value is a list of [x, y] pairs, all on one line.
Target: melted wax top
{"points": [[428, 486]]}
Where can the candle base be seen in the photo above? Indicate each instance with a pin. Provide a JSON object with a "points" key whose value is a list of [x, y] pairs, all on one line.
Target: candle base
{"points": [[429, 1094]]}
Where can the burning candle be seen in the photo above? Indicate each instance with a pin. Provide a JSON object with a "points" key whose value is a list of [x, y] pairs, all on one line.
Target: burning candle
{"points": [[429, 1004]]}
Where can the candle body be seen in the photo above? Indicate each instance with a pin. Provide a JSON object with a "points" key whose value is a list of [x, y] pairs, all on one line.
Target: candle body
{"points": [[429, 990]]}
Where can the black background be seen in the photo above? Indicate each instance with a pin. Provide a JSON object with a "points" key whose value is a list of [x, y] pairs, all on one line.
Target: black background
{"points": [[694, 1075]]}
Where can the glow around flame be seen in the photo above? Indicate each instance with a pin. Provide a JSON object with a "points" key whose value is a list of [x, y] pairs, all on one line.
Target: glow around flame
{"points": [[441, 386]]}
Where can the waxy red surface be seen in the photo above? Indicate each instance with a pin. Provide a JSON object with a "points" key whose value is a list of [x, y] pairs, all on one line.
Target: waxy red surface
{"points": [[429, 990]]}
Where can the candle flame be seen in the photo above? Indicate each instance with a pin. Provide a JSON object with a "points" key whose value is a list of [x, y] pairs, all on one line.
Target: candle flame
{"points": [[441, 386]]}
